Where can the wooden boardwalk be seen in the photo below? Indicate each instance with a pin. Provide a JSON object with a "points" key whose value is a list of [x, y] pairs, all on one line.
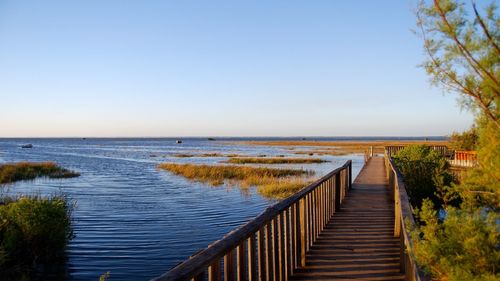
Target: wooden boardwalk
{"points": [[358, 242]]}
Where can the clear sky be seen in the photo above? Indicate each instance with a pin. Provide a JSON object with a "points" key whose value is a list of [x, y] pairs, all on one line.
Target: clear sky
{"points": [[217, 68]]}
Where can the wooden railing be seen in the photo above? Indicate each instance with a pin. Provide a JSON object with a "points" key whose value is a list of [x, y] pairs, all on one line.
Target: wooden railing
{"points": [[393, 149], [403, 222], [274, 244], [464, 159]]}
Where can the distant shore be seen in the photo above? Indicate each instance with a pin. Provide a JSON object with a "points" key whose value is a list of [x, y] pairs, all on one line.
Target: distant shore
{"points": [[340, 147]]}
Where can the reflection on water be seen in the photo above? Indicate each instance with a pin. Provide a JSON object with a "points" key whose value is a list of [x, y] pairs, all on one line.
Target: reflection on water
{"points": [[132, 219]]}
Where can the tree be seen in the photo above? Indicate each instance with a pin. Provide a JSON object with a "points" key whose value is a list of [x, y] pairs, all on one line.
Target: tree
{"points": [[462, 47], [466, 140], [463, 52]]}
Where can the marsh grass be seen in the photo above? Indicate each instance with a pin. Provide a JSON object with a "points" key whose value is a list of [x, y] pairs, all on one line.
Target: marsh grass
{"points": [[13, 172], [34, 232], [281, 189], [270, 182], [275, 160]]}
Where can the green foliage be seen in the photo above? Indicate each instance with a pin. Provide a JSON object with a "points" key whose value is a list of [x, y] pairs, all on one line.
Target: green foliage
{"points": [[464, 57], [425, 174], [27, 171], [481, 186], [464, 141], [34, 231], [462, 247], [463, 52]]}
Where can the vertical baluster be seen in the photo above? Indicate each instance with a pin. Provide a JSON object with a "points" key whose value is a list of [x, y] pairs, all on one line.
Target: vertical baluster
{"points": [[261, 253], [282, 247], [251, 255], [337, 192], [269, 252], [214, 271], [276, 253], [199, 277], [350, 174], [240, 262], [301, 241], [310, 221], [290, 253], [313, 217], [229, 266]]}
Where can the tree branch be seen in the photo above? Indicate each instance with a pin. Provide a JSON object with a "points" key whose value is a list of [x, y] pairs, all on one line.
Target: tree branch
{"points": [[468, 56], [484, 28]]}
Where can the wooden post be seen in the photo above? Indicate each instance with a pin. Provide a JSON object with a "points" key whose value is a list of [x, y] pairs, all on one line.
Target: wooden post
{"points": [[337, 192], [252, 265], [269, 253], [229, 266], [350, 175], [282, 246], [275, 249], [214, 271], [302, 237], [261, 253], [240, 262], [199, 277]]}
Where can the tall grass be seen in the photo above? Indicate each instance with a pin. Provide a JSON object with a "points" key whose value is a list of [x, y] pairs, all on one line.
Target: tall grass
{"points": [[270, 182], [281, 189], [30, 170], [275, 160], [34, 232]]}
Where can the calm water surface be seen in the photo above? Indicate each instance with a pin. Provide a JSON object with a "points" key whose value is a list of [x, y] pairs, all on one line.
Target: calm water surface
{"points": [[136, 221]]}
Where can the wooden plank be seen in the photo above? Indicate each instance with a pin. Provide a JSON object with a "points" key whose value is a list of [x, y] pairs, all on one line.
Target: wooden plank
{"points": [[214, 271]]}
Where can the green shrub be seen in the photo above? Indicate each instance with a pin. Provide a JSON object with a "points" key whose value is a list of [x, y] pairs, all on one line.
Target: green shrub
{"points": [[464, 246], [425, 174], [467, 140], [34, 232]]}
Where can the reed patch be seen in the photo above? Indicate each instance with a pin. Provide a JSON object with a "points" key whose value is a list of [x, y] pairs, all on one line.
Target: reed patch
{"points": [[13, 172], [270, 182], [274, 160]]}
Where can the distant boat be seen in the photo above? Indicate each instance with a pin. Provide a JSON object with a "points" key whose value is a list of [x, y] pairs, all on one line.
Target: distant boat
{"points": [[29, 145], [211, 139], [178, 141]]}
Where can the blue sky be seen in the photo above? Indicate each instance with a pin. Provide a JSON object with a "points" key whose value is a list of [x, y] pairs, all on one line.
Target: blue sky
{"points": [[217, 68]]}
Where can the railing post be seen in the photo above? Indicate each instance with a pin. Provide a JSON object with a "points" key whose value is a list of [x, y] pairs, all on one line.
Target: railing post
{"points": [[229, 266], [337, 192], [214, 271], [350, 174], [302, 238], [251, 249], [261, 253]]}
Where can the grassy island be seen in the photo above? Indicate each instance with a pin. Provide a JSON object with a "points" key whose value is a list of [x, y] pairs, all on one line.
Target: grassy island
{"points": [[274, 160], [13, 172], [270, 182]]}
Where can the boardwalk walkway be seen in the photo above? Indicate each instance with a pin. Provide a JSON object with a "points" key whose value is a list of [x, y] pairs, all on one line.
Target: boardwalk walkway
{"points": [[358, 243]]}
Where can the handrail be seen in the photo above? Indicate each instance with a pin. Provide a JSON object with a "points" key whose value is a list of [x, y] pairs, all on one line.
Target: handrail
{"points": [[464, 159], [393, 149], [403, 221], [274, 244]]}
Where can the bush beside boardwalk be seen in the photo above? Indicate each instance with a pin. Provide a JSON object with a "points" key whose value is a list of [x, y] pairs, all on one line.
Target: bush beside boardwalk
{"points": [[452, 240], [34, 230]]}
